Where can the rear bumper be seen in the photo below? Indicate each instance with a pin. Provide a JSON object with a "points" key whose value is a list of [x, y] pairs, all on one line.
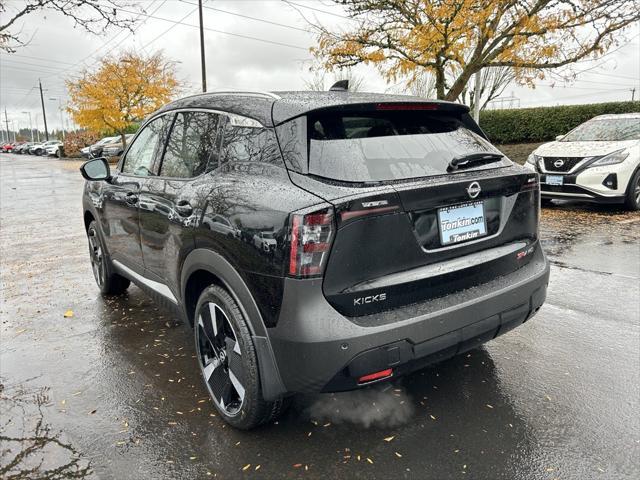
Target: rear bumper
{"points": [[317, 349]]}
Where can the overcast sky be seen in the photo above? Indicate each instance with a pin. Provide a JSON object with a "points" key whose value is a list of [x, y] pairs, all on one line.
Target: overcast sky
{"points": [[57, 51]]}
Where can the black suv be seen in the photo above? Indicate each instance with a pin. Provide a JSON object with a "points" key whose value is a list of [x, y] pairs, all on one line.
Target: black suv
{"points": [[318, 242]]}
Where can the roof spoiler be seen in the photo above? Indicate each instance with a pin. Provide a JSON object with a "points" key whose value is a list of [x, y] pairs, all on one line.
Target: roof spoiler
{"points": [[340, 86]]}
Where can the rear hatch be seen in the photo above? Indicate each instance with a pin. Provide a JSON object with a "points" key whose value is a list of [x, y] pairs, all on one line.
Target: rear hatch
{"points": [[410, 226]]}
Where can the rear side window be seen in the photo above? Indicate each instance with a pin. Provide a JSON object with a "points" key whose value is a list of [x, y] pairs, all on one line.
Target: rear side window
{"points": [[243, 144], [389, 145], [192, 146]]}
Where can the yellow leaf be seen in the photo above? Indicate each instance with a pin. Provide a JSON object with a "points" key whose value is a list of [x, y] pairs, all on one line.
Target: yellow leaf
{"points": [[246, 467], [68, 314], [388, 439]]}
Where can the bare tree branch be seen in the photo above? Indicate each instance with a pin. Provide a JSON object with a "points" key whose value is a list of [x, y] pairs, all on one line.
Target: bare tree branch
{"points": [[92, 15]]}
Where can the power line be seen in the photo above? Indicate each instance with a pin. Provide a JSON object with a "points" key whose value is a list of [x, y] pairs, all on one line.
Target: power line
{"points": [[138, 15], [26, 63], [571, 87], [247, 37], [575, 96], [51, 60], [318, 10], [270, 22], [169, 29]]}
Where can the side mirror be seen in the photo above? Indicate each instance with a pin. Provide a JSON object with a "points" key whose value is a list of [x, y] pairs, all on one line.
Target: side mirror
{"points": [[96, 169], [559, 138]]}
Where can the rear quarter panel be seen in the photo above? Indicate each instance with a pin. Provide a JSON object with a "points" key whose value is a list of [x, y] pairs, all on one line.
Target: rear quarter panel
{"points": [[243, 201]]}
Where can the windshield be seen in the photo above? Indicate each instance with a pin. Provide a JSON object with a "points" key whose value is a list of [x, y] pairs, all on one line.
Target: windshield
{"points": [[390, 145], [267, 235], [605, 130]]}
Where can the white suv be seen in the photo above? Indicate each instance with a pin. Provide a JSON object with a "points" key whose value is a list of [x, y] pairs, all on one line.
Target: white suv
{"points": [[597, 161]]}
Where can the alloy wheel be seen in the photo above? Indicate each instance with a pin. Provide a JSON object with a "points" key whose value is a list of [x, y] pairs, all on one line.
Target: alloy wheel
{"points": [[96, 256], [637, 191], [220, 358]]}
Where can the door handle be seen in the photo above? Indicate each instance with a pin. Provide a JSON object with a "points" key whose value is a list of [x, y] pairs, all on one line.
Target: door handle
{"points": [[131, 198], [184, 208]]}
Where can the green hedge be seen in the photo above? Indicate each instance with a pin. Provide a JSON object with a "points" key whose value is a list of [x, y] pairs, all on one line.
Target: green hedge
{"points": [[544, 123]]}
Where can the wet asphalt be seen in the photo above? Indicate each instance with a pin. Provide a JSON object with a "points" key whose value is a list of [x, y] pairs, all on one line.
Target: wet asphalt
{"points": [[112, 390]]}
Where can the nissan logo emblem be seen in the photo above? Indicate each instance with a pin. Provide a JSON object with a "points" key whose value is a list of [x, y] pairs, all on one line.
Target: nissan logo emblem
{"points": [[474, 189], [558, 163]]}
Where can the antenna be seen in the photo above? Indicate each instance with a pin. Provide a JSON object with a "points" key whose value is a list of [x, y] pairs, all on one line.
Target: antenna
{"points": [[340, 86]]}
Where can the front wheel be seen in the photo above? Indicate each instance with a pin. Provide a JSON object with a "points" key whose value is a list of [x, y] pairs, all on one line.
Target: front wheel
{"points": [[109, 282], [228, 361], [632, 200]]}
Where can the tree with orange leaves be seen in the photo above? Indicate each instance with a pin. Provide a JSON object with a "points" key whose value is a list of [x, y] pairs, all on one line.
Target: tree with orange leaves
{"points": [[121, 92], [453, 39]]}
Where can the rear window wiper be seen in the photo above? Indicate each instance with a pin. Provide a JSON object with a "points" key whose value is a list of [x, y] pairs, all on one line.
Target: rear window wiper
{"points": [[463, 161]]}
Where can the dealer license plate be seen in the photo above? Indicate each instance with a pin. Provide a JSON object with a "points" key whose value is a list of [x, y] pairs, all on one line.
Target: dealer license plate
{"points": [[554, 180], [460, 223]]}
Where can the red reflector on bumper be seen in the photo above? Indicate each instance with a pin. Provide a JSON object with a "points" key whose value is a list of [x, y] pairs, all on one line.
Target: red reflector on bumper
{"points": [[376, 376]]}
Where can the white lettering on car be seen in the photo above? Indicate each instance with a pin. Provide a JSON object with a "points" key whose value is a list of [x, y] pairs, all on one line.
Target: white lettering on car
{"points": [[380, 297]]}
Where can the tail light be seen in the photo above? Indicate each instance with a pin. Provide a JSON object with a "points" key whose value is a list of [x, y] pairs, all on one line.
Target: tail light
{"points": [[311, 237]]}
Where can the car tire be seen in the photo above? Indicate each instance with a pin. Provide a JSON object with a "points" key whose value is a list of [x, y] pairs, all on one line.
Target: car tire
{"points": [[228, 361], [632, 200], [108, 281]]}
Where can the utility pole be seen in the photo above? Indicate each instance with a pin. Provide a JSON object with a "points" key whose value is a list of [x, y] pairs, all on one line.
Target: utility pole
{"points": [[202, 61], [633, 94], [61, 117], [6, 122], [44, 114], [30, 124]]}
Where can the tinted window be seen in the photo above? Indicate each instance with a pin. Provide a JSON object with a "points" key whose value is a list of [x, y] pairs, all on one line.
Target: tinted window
{"points": [[610, 130], [191, 148], [250, 144], [389, 145], [145, 148]]}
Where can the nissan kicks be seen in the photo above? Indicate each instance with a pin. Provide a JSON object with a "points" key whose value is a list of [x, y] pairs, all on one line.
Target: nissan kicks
{"points": [[361, 237]]}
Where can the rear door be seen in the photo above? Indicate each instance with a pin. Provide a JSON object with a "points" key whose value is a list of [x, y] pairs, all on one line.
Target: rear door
{"points": [[410, 227], [171, 202]]}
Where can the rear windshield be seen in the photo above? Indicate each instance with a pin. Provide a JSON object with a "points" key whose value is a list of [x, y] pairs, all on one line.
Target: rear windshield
{"points": [[380, 146]]}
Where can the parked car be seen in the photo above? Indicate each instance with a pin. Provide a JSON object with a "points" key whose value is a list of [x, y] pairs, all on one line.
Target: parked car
{"points": [[23, 147], [41, 148], [598, 161], [115, 148], [54, 149], [7, 147], [220, 224], [406, 238], [95, 150], [265, 241]]}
